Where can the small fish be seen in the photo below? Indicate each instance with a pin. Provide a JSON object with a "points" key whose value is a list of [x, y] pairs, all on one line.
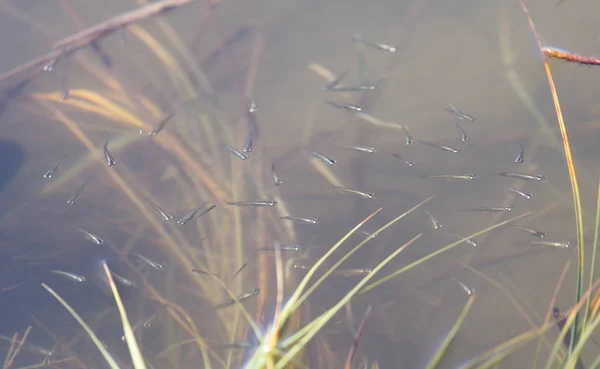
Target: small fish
{"points": [[300, 266], [75, 197], [530, 177], [64, 92], [366, 195], [463, 134], [407, 162], [453, 176], [240, 298], [108, 157], [468, 291], [408, 138], [92, 237], [160, 211], [354, 272], [201, 271], [189, 216], [49, 67], [148, 262], [240, 155], [282, 248], [434, 222], [301, 220], [441, 147], [492, 209], [240, 270], [528, 196], [521, 155], [12, 286], [253, 203], [323, 158], [458, 113], [551, 243], [367, 149], [532, 232], [352, 108], [124, 281], [148, 323], [249, 142], [53, 170], [162, 124], [353, 88], [336, 81], [71, 276], [368, 234], [384, 47], [253, 108], [276, 180], [468, 240]]}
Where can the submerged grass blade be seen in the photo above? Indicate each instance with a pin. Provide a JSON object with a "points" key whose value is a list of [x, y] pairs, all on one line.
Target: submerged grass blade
{"points": [[442, 351], [572, 174], [134, 350], [593, 263], [109, 359]]}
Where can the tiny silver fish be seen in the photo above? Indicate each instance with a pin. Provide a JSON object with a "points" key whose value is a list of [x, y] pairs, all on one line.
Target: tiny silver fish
{"points": [[108, 157], [468, 240], [124, 281], [521, 155], [160, 211], [434, 222], [50, 173], [384, 47], [408, 138], [353, 272], [91, 237], [240, 298], [249, 142], [531, 177], [407, 162], [441, 147], [492, 209], [148, 262], [458, 113], [162, 124], [551, 243], [75, 197], [70, 276], [532, 232], [282, 248], [276, 180], [301, 220], [253, 108], [65, 89], [528, 196], [186, 218], [366, 195], [352, 108], [240, 155], [453, 176], [353, 88], [253, 203], [323, 158], [367, 149], [463, 134]]}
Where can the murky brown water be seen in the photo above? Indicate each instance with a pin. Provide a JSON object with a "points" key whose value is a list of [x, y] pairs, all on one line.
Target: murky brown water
{"points": [[481, 56]]}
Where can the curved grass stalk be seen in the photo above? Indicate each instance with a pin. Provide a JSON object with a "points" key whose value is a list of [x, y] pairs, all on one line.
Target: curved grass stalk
{"points": [[593, 263], [435, 253], [572, 174], [107, 356], [440, 353]]}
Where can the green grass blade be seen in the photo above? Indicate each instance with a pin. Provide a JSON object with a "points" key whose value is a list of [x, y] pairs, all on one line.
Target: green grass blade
{"points": [[134, 349], [440, 353], [593, 264], [109, 359], [435, 253]]}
